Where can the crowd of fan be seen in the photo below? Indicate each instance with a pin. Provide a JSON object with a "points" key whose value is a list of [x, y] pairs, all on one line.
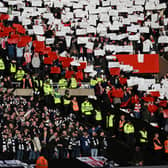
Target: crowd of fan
{"points": [[48, 119]]}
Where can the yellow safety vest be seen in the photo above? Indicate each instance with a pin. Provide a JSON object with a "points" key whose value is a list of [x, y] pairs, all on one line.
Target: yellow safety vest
{"points": [[98, 116], [166, 146], [2, 65], [93, 82], [86, 108], [144, 136], [128, 128], [109, 121], [99, 79], [13, 68], [57, 99], [19, 75], [66, 101], [73, 84], [75, 105], [62, 84], [47, 89]]}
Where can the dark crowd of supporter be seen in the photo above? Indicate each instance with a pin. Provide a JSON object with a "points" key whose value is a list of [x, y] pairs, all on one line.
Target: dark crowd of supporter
{"points": [[51, 121]]}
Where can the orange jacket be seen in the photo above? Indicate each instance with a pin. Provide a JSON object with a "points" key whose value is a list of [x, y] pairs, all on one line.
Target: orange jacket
{"points": [[166, 146], [41, 162]]}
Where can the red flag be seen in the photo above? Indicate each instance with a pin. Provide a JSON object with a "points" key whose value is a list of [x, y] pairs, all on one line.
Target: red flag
{"points": [[152, 108], [48, 61], [82, 66], [165, 113], [23, 41], [68, 74], [53, 55], [4, 17], [55, 70], [66, 63], [79, 75], [155, 93], [122, 80], [46, 50], [163, 103], [114, 71], [117, 93], [134, 99], [38, 46], [148, 99], [125, 104], [19, 28]]}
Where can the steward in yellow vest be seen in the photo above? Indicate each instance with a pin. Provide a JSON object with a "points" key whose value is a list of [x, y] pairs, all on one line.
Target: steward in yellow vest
{"points": [[129, 128], [19, 74], [129, 131], [47, 88], [98, 115], [66, 100], [13, 67], [143, 136], [2, 65], [73, 83], [93, 82], [62, 83], [110, 123], [87, 107]]}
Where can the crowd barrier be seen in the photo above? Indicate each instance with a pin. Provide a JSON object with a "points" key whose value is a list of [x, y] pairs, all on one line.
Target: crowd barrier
{"points": [[73, 92]]}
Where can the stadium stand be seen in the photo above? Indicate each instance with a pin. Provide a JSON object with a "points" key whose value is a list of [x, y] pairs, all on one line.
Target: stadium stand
{"points": [[82, 79]]}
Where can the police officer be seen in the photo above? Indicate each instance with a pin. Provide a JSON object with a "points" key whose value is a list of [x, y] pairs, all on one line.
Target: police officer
{"points": [[57, 99], [62, 83], [87, 110], [48, 90], [66, 100], [110, 123], [2, 67], [98, 116], [12, 68], [129, 131], [19, 74], [73, 83]]}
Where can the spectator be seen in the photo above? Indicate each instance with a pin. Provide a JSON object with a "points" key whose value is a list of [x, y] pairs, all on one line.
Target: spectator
{"points": [[36, 62]]}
